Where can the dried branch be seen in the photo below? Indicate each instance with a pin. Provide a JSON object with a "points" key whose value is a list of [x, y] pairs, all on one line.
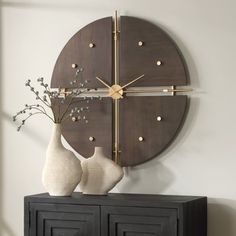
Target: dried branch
{"points": [[52, 100]]}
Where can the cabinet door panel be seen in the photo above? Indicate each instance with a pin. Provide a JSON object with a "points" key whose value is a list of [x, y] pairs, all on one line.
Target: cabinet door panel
{"points": [[130, 221], [64, 220]]}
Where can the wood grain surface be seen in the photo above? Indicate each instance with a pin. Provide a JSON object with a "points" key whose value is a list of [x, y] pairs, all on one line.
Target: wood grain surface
{"points": [[157, 45]]}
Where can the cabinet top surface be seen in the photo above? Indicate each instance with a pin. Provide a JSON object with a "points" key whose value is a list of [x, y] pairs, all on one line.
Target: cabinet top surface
{"points": [[114, 199]]}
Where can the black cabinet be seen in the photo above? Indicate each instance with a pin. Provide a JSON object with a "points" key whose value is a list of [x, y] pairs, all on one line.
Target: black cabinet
{"points": [[63, 220], [120, 221], [115, 215]]}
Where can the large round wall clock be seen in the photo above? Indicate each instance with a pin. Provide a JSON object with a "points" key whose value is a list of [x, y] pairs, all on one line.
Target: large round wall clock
{"points": [[141, 75]]}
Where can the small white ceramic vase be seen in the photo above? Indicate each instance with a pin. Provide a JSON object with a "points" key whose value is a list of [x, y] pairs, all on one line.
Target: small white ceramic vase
{"points": [[100, 174], [62, 171]]}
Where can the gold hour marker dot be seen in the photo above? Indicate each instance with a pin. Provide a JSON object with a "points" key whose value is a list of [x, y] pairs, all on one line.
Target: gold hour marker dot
{"points": [[91, 45], [159, 118], [140, 43], [74, 66], [140, 139], [91, 139], [159, 63]]}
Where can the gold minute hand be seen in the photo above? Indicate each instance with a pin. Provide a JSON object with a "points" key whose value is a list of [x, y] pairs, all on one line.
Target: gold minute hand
{"points": [[124, 86], [141, 76]]}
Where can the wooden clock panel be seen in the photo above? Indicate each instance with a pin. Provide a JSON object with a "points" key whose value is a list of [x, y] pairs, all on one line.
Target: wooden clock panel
{"points": [[96, 61], [136, 60], [138, 118], [99, 127], [138, 114]]}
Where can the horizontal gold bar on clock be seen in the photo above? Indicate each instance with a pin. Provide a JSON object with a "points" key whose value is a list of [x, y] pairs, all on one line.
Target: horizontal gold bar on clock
{"points": [[158, 90], [141, 91]]}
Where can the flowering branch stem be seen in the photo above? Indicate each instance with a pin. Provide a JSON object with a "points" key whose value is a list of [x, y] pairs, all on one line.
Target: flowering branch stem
{"points": [[43, 112], [51, 99], [45, 103], [67, 108]]}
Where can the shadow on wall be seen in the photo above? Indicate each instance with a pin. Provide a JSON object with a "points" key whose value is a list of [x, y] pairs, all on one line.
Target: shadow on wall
{"points": [[5, 229], [221, 217], [159, 178], [33, 134]]}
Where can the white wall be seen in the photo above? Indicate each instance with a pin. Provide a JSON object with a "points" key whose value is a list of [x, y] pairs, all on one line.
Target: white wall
{"points": [[201, 161]]}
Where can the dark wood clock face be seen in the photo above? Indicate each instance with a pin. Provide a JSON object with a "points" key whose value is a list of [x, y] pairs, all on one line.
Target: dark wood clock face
{"points": [[142, 123]]}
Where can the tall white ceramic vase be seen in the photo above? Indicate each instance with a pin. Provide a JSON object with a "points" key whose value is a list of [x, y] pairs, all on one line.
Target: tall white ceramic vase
{"points": [[100, 174], [62, 171]]}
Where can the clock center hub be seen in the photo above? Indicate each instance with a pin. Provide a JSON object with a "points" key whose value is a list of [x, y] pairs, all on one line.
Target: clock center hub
{"points": [[116, 91]]}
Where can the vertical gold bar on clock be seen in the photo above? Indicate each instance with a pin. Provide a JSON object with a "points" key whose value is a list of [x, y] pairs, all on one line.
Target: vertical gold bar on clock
{"points": [[117, 144], [116, 48], [116, 75]]}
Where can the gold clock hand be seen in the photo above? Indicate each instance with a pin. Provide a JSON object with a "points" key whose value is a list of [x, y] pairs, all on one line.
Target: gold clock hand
{"points": [[103, 82], [141, 76], [112, 89], [134, 80]]}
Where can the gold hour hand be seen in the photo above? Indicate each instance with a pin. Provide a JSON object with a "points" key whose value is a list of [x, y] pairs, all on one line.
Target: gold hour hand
{"points": [[103, 82], [112, 89]]}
